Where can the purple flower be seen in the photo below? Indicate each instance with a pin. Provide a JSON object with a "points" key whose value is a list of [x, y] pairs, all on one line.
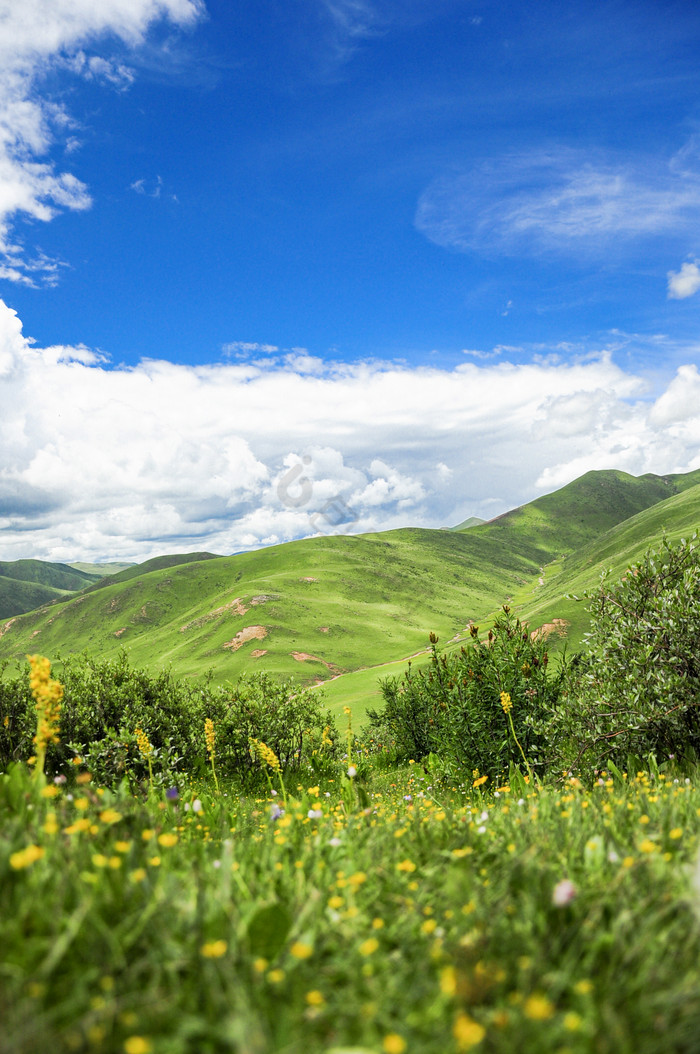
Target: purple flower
{"points": [[276, 812], [172, 794]]}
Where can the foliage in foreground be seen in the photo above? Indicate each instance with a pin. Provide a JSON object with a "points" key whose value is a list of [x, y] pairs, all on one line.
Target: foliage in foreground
{"points": [[454, 707], [637, 691], [105, 702], [434, 920]]}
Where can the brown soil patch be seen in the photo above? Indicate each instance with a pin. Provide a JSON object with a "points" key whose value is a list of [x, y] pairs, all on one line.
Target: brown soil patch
{"points": [[557, 626], [308, 579], [323, 629], [304, 656], [262, 599], [249, 633], [7, 625], [236, 606], [258, 652], [118, 633]]}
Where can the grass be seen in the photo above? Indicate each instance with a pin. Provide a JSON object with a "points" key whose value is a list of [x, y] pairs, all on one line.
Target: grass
{"points": [[418, 918]]}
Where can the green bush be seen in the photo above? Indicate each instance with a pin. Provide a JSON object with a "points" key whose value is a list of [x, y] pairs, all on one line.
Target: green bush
{"points": [[453, 708], [106, 701], [637, 690]]}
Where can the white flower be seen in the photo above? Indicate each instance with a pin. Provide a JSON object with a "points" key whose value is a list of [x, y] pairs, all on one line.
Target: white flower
{"points": [[563, 893], [352, 771]]}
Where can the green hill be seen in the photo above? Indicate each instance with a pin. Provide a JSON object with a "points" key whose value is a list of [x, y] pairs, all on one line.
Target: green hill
{"points": [[25, 584], [326, 607]]}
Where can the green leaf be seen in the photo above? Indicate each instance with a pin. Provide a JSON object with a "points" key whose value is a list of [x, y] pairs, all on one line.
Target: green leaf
{"points": [[268, 929]]}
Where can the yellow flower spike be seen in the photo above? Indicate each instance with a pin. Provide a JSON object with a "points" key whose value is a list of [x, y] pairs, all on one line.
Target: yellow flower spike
{"points": [[48, 695], [506, 702]]}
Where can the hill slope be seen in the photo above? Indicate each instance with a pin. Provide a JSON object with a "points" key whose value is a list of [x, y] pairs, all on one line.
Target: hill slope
{"points": [[25, 584], [324, 606]]}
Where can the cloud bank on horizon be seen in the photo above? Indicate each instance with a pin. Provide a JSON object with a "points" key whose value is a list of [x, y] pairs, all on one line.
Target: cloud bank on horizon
{"points": [[502, 301], [133, 461]]}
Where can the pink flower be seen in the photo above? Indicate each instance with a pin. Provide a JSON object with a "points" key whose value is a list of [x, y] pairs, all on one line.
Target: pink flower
{"points": [[563, 893]]}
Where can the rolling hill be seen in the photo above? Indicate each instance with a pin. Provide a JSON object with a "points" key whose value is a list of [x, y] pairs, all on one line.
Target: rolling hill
{"points": [[26, 584], [342, 607]]}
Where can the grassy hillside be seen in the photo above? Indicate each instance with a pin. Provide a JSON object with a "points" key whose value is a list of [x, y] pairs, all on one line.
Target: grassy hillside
{"points": [[616, 549], [324, 607], [25, 584]]}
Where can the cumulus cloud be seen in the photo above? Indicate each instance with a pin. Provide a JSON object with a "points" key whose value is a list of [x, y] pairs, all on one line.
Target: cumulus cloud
{"points": [[37, 38], [684, 283], [561, 201], [103, 463]]}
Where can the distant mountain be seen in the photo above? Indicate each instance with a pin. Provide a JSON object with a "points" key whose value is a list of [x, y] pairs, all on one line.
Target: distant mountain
{"points": [[321, 607], [27, 584], [472, 521]]}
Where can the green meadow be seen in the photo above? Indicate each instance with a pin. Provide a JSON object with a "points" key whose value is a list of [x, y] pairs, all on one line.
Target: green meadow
{"points": [[199, 855]]}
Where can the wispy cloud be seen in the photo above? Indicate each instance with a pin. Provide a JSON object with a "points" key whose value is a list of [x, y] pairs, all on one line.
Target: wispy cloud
{"points": [[164, 457], [35, 39], [561, 201]]}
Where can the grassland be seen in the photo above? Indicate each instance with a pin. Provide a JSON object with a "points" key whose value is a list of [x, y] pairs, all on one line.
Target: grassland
{"points": [[395, 916]]}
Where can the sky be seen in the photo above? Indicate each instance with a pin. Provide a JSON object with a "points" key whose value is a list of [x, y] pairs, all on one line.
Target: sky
{"points": [[291, 267]]}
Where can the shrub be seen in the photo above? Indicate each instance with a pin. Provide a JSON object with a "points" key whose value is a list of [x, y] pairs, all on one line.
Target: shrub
{"points": [[637, 691], [106, 701], [453, 708]]}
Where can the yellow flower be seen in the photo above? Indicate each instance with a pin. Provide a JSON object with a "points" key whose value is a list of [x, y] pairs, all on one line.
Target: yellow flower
{"points": [[51, 791], [369, 946], [265, 755], [210, 736], [448, 981], [676, 833], [143, 743], [406, 865], [275, 976], [572, 1021], [26, 857], [167, 840], [137, 1045], [467, 1032], [214, 949], [47, 695], [538, 1007], [110, 816], [647, 846], [138, 874], [301, 950], [506, 702], [393, 1044], [481, 780], [315, 998]]}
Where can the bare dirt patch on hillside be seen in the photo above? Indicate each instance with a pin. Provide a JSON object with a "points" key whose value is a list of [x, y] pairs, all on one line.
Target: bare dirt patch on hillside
{"points": [[244, 635], [257, 653], [236, 606], [7, 626], [304, 656], [557, 627]]}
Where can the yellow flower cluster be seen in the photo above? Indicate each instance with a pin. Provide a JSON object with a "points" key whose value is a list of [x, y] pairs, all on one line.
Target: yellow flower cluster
{"points": [[265, 755], [210, 736], [506, 702], [143, 743], [47, 695]]}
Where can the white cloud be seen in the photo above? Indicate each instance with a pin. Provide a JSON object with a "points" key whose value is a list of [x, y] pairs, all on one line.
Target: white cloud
{"points": [[36, 38], [684, 283], [99, 462], [560, 200]]}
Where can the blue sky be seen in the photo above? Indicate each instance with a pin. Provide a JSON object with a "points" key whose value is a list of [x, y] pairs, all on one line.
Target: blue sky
{"points": [[463, 225]]}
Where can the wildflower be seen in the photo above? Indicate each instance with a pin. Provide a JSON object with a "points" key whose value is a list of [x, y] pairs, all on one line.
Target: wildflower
{"points": [[214, 949], [315, 814], [168, 839], [352, 771], [406, 865], [467, 1032], [369, 946], [315, 998], [301, 950], [563, 893], [137, 1045], [506, 702], [265, 755], [393, 1043], [676, 833], [480, 781], [538, 1007], [110, 816], [143, 743], [50, 792], [448, 981], [47, 696], [210, 736], [26, 857], [172, 794]]}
